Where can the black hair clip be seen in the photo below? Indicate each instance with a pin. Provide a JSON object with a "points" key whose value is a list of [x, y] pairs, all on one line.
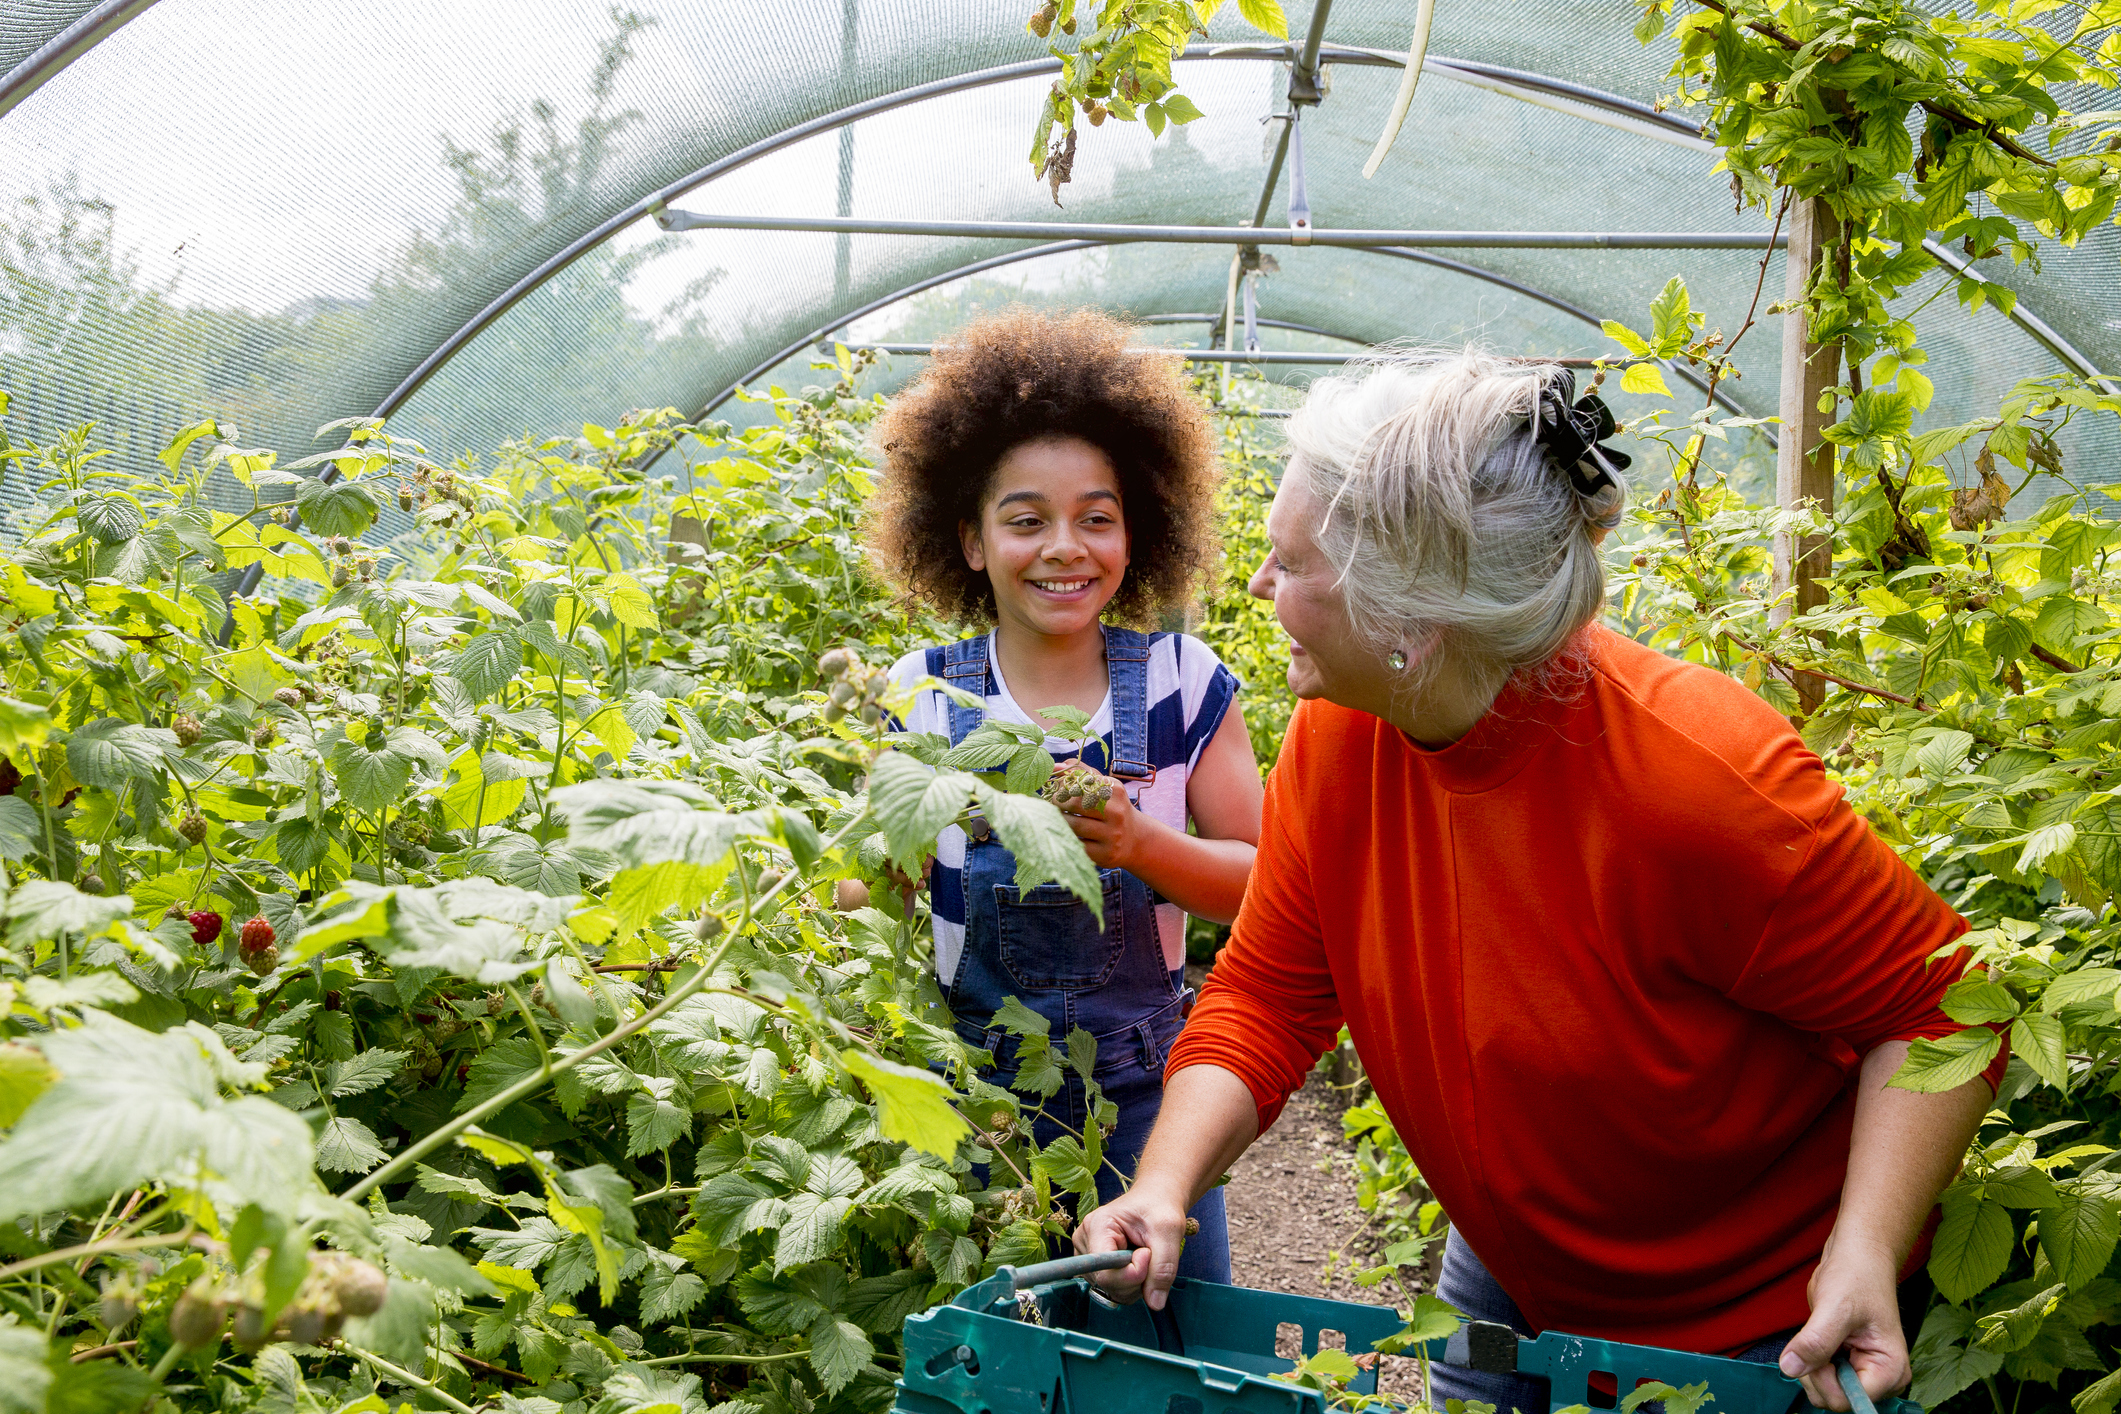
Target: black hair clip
{"points": [[1571, 435]]}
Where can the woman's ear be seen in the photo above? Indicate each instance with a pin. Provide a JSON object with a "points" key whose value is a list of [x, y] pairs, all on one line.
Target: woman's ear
{"points": [[975, 549]]}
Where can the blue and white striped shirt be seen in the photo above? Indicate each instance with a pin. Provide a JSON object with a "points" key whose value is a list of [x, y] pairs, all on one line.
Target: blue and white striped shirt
{"points": [[1190, 691]]}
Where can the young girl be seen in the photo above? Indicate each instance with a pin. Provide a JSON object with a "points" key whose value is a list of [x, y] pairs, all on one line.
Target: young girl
{"points": [[1040, 478]]}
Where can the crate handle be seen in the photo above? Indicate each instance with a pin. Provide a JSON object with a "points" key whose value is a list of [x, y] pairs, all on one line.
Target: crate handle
{"points": [[1859, 1400], [1067, 1268]]}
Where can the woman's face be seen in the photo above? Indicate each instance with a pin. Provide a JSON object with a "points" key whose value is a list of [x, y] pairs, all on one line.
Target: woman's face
{"points": [[1326, 659], [1051, 537]]}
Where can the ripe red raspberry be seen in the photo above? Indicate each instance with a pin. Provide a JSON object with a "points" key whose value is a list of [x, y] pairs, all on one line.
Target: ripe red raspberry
{"points": [[258, 933], [205, 927]]}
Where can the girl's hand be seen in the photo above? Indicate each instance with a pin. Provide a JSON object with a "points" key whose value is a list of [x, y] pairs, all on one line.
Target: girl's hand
{"points": [[1111, 832]]}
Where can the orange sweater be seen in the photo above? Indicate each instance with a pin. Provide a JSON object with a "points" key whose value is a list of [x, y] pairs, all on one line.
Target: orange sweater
{"points": [[1611, 964]]}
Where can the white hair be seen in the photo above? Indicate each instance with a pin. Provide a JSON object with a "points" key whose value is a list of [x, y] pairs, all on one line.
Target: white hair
{"points": [[1455, 535]]}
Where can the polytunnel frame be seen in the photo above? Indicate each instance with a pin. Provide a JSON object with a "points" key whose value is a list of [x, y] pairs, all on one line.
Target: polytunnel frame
{"points": [[108, 16]]}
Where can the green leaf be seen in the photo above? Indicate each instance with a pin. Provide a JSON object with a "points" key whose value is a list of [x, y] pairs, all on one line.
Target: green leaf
{"points": [[110, 752], [369, 779], [2078, 1233], [397, 1332], [731, 1205], [25, 1378], [1972, 1245], [112, 519], [365, 1071], [1030, 767], [1045, 848], [130, 1106], [2100, 1398], [336, 508], [24, 1075], [811, 1228], [1432, 1318], [914, 1105], [2014, 1328], [1179, 108], [1948, 1062], [1265, 15], [1019, 1020], [348, 1146], [882, 1303], [488, 662], [1066, 1165], [1627, 338], [1671, 318], [45, 909], [654, 1123], [1069, 723], [838, 1351], [1645, 378], [1943, 1367], [668, 1293], [912, 802], [1975, 999], [2037, 1038]]}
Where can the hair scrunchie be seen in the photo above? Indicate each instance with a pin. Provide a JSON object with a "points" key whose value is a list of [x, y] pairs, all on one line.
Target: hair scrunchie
{"points": [[1571, 434]]}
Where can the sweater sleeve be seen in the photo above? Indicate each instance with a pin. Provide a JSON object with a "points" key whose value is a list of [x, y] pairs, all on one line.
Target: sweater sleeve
{"points": [[1269, 1009], [1858, 948]]}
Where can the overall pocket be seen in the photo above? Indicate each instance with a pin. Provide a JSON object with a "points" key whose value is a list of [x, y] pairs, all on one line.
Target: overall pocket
{"points": [[1050, 942]]}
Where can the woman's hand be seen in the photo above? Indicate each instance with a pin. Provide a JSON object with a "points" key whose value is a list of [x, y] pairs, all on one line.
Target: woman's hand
{"points": [[1113, 831], [1150, 1220], [1855, 1304]]}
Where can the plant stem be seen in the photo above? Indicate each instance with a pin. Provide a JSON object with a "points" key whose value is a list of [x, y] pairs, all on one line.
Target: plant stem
{"points": [[726, 1359], [428, 1387], [94, 1249], [530, 1084]]}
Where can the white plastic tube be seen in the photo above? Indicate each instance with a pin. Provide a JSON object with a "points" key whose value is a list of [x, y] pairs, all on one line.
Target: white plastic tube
{"points": [[1417, 50]]}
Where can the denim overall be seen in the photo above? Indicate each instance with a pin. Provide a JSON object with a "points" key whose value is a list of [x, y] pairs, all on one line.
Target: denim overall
{"points": [[1045, 948]]}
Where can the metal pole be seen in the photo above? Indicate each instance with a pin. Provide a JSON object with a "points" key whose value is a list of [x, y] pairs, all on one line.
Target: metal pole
{"points": [[672, 219], [1283, 356]]}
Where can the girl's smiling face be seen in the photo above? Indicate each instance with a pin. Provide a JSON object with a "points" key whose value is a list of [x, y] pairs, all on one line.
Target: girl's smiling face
{"points": [[1052, 536]]}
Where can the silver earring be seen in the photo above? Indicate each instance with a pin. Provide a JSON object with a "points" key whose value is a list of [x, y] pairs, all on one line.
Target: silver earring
{"points": [[1398, 659]]}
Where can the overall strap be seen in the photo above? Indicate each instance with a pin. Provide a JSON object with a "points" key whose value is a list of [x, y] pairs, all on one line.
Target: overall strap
{"points": [[965, 668], [1127, 666]]}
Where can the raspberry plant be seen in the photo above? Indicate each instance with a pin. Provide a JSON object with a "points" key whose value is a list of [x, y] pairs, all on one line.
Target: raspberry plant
{"points": [[578, 1047]]}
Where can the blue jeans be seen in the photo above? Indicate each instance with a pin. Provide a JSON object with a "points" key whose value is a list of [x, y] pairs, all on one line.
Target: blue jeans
{"points": [[1467, 1284]]}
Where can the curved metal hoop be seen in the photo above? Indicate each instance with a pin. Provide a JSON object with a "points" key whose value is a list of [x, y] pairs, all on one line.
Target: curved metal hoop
{"points": [[1421, 257]]}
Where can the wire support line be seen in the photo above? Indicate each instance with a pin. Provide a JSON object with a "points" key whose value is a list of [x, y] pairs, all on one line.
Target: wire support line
{"points": [[1110, 233]]}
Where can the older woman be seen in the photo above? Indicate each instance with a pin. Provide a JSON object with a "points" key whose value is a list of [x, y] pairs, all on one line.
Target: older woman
{"points": [[1625, 969]]}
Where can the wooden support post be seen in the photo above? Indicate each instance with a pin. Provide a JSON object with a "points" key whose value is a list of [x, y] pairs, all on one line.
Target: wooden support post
{"points": [[1804, 462]]}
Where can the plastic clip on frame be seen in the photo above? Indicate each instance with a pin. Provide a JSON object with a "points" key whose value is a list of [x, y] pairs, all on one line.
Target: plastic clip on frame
{"points": [[1211, 1351]]}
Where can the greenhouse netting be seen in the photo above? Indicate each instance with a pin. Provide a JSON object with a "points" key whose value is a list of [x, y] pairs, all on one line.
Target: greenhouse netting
{"points": [[283, 218]]}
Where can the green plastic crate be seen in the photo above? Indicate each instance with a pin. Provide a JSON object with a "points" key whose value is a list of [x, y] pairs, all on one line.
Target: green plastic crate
{"points": [[1211, 1351]]}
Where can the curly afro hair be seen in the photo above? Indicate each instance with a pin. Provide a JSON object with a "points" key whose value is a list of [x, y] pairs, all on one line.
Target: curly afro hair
{"points": [[1021, 376]]}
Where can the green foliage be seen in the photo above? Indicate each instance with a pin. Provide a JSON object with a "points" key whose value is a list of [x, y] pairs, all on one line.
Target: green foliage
{"points": [[1121, 67], [526, 986]]}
